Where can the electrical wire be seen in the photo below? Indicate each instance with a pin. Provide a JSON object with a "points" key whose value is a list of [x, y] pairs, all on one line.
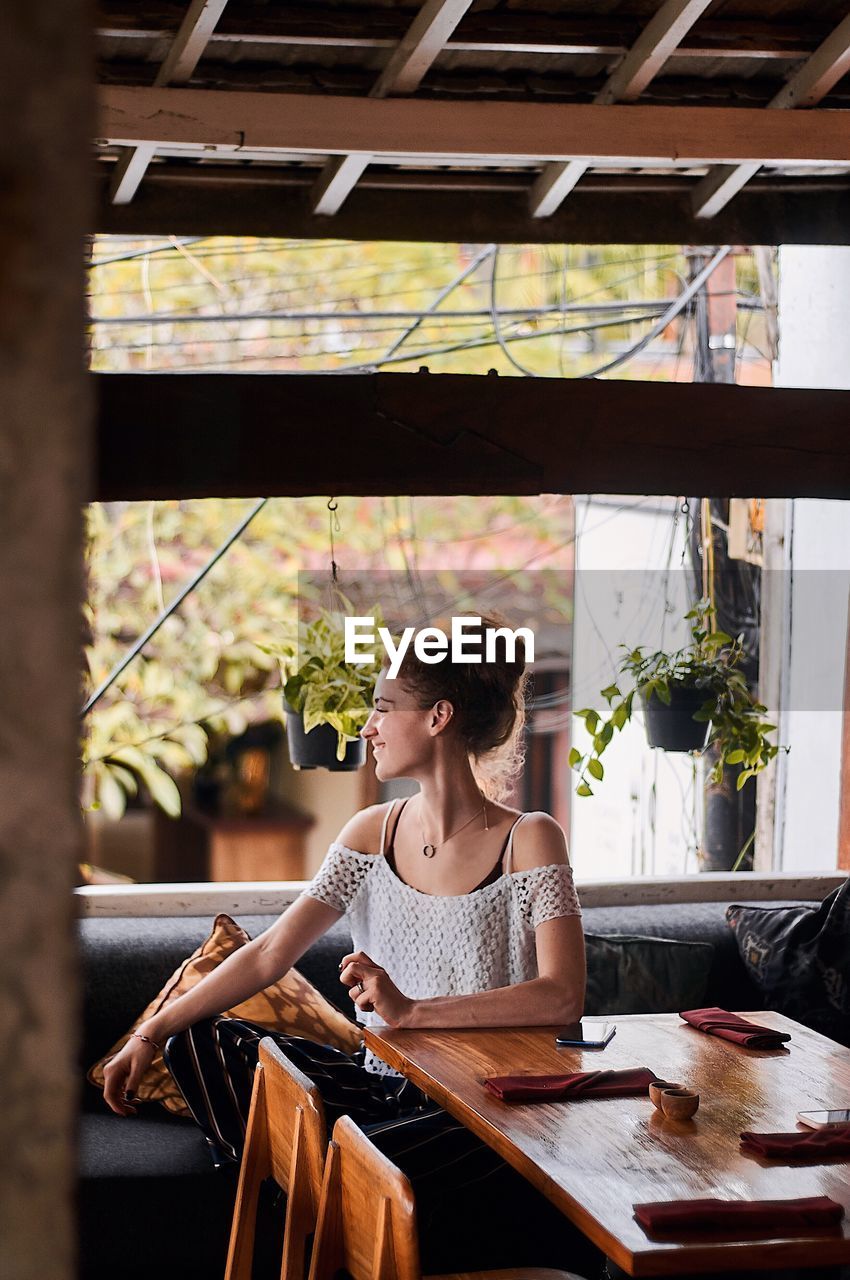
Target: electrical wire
{"points": [[670, 314], [495, 320], [418, 314], [369, 366]]}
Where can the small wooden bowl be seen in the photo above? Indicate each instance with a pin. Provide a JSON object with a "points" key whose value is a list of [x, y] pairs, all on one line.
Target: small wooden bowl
{"points": [[679, 1104], [657, 1088]]}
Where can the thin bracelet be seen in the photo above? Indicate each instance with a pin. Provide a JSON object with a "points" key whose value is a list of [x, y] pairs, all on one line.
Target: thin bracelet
{"points": [[146, 1039]]}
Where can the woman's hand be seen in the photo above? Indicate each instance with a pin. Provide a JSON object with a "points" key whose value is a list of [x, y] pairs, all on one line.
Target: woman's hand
{"points": [[122, 1074], [371, 988]]}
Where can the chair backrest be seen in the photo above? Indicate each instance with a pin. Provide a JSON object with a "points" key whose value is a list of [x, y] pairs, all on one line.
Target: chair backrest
{"points": [[285, 1140], [367, 1213]]}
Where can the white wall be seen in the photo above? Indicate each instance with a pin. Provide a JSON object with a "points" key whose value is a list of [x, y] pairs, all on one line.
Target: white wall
{"points": [[645, 817], [814, 351]]}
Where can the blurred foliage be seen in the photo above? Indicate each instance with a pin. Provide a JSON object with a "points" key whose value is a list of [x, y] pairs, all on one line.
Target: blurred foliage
{"points": [[211, 669]]}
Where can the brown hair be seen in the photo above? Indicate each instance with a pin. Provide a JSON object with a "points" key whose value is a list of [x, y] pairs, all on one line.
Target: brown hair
{"points": [[488, 700]]}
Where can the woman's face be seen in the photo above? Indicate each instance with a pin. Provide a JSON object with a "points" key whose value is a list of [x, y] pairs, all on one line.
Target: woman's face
{"points": [[397, 729]]}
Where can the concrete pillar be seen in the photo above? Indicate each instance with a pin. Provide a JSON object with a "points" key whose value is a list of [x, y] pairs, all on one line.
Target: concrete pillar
{"points": [[46, 123]]}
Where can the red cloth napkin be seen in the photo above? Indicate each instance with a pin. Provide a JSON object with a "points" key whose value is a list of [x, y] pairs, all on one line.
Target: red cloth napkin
{"points": [[815, 1144], [772, 1217], [581, 1084], [729, 1026]]}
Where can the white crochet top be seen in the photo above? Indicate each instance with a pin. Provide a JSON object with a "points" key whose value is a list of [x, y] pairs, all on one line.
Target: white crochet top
{"points": [[442, 945]]}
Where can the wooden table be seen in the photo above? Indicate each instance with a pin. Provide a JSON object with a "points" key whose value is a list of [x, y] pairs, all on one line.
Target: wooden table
{"points": [[596, 1159]]}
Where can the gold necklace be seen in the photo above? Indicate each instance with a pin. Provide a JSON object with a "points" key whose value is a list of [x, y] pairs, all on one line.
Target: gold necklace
{"points": [[426, 845]]}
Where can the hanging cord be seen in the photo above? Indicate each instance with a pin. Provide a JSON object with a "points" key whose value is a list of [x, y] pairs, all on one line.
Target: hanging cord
{"points": [[175, 604], [686, 512], [333, 526], [708, 561]]}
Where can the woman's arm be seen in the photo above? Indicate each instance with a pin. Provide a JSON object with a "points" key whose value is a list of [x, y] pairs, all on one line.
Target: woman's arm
{"points": [[556, 996], [248, 970], [242, 974]]}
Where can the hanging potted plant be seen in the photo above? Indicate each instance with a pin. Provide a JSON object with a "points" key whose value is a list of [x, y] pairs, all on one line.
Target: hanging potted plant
{"points": [[326, 700], [692, 698]]}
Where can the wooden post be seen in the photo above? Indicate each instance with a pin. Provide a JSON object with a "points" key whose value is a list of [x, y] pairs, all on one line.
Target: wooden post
{"points": [[46, 101]]}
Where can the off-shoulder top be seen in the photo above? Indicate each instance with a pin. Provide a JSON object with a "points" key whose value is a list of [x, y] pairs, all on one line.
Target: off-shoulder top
{"points": [[433, 945]]}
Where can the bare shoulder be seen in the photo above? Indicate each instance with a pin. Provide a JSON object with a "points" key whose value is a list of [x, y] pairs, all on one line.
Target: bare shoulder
{"points": [[539, 841], [362, 832]]}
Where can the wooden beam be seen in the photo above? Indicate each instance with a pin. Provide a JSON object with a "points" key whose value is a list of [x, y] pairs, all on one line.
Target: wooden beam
{"points": [[181, 60], [226, 435], [647, 55], [808, 86], [478, 208], [407, 67], [436, 130]]}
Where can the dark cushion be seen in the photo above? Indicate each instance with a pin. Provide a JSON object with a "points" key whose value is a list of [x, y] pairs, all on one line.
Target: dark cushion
{"points": [[729, 984], [799, 958], [645, 975]]}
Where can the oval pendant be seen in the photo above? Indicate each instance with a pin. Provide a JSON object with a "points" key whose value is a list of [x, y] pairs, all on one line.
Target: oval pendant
{"points": [[425, 849]]}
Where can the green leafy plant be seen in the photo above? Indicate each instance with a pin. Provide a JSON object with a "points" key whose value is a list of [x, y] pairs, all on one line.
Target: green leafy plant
{"points": [[319, 684], [710, 663]]}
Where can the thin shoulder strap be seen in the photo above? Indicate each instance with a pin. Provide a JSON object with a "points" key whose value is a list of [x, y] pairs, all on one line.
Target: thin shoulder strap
{"points": [[387, 815], [510, 848], [390, 808]]}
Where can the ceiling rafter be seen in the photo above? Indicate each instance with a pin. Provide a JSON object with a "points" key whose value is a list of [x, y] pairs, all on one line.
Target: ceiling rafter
{"points": [[404, 72], [503, 32], [183, 56], [647, 55], [806, 87]]}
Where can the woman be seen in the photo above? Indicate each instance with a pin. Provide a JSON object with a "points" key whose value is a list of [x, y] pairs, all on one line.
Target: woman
{"points": [[463, 914]]}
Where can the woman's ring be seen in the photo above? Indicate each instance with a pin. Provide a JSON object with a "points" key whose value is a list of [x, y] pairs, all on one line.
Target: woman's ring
{"points": [[360, 985]]}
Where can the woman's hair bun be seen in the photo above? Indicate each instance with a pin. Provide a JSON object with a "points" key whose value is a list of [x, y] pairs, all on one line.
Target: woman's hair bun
{"points": [[488, 699]]}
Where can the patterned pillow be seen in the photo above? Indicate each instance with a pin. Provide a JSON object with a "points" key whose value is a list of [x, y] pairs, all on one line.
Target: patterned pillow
{"points": [[292, 1005], [799, 958], [644, 975]]}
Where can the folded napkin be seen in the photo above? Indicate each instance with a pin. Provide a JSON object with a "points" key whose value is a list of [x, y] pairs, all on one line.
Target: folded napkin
{"points": [[729, 1026], [770, 1217], [581, 1084], [814, 1144]]}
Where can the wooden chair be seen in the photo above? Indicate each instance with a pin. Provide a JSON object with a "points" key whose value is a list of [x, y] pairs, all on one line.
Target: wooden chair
{"points": [[367, 1219], [285, 1140]]}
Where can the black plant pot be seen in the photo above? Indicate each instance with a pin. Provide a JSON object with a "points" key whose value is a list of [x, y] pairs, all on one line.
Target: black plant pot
{"points": [[317, 749], [673, 727]]}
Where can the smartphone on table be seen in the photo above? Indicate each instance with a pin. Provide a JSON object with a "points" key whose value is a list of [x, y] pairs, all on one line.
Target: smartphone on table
{"points": [[824, 1119], [586, 1035]]}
